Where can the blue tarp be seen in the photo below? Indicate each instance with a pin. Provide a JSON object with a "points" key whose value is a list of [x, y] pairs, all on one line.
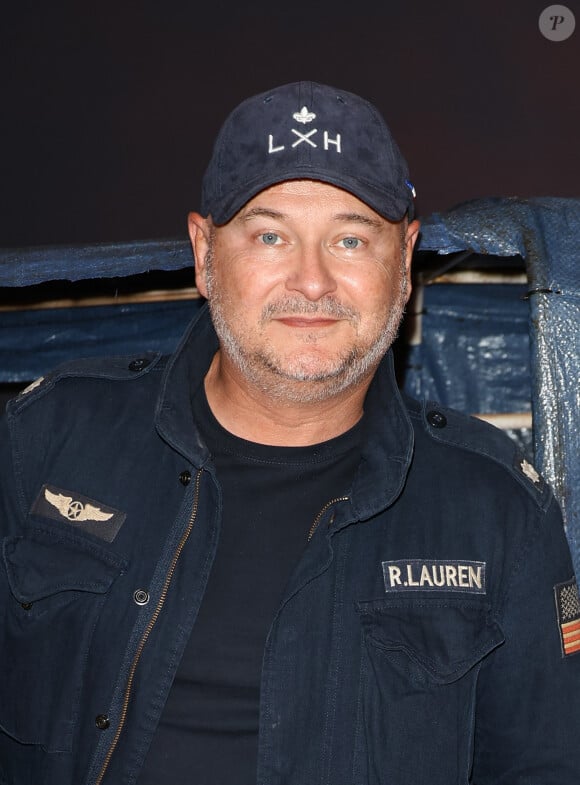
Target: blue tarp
{"points": [[545, 232], [474, 352], [33, 342], [30, 266]]}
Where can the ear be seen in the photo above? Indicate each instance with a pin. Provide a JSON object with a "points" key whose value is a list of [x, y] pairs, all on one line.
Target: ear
{"points": [[199, 233], [410, 239]]}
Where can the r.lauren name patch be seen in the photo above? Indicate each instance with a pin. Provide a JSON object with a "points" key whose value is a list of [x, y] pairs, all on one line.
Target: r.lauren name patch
{"points": [[434, 575]]}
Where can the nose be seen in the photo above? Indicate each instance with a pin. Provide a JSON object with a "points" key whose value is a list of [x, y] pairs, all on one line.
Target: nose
{"points": [[310, 273]]}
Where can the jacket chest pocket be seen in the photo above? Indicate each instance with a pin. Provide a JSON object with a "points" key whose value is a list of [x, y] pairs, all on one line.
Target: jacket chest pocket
{"points": [[57, 585], [420, 660]]}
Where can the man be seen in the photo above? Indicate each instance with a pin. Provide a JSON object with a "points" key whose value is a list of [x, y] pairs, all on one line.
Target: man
{"points": [[254, 561]]}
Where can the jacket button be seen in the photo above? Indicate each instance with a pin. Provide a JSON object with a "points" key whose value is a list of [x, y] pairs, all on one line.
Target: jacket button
{"points": [[141, 597], [436, 419], [185, 477], [102, 721], [26, 605], [138, 365]]}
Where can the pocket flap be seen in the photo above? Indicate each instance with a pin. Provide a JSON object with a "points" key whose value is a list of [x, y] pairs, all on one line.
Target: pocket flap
{"points": [[445, 638], [41, 564]]}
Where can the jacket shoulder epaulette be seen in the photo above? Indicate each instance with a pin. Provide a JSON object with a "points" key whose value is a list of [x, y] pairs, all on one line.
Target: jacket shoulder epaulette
{"points": [[468, 433], [117, 368]]}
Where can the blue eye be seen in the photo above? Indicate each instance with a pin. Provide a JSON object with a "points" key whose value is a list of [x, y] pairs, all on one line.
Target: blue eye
{"points": [[350, 243], [269, 238]]}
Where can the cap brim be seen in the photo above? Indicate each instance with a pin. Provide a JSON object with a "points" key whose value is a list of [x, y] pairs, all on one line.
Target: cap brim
{"points": [[382, 201]]}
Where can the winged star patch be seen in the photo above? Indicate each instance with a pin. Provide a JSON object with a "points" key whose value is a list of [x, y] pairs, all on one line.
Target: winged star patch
{"points": [[79, 511], [568, 610]]}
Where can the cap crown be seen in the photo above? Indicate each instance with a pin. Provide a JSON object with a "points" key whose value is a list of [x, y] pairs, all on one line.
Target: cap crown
{"points": [[306, 130]]}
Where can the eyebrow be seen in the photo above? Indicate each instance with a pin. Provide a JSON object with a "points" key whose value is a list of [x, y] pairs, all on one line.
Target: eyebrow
{"points": [[261, 212], [358, 218]]}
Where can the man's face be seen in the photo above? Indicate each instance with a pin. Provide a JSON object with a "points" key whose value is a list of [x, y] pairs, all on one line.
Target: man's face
{"points": [[306, 287]]}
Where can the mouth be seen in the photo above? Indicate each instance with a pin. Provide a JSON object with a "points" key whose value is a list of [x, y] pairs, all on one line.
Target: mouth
{"points": [[299, 314], [308, 322]]}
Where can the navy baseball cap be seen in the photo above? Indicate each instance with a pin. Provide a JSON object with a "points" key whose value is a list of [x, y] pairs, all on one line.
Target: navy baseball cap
{"points": [[306, 131]]}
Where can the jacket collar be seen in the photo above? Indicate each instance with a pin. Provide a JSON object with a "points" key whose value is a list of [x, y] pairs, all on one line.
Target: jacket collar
{"points": [[183, 376], [388, 434], [387, 448]]}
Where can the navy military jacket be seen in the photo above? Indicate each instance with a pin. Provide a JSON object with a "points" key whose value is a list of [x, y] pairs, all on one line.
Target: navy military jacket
{"points": [[426, 635]]}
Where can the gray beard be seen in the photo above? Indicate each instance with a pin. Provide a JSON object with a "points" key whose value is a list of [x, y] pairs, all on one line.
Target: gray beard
{"points": [[263, 369]]}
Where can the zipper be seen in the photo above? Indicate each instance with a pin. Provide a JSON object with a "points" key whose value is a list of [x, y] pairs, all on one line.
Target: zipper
{"points": [[316, 521], [148, 630]]}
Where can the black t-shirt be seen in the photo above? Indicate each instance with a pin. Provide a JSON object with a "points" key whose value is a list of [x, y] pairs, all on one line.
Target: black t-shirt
{"points": [[208, 731]]}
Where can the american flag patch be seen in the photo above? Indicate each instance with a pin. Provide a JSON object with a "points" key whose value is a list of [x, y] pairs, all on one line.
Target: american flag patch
{"points": [[568, 609]]}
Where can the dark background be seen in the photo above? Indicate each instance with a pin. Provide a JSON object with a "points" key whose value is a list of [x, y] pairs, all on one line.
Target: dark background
{"points": [[109, 110]]}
